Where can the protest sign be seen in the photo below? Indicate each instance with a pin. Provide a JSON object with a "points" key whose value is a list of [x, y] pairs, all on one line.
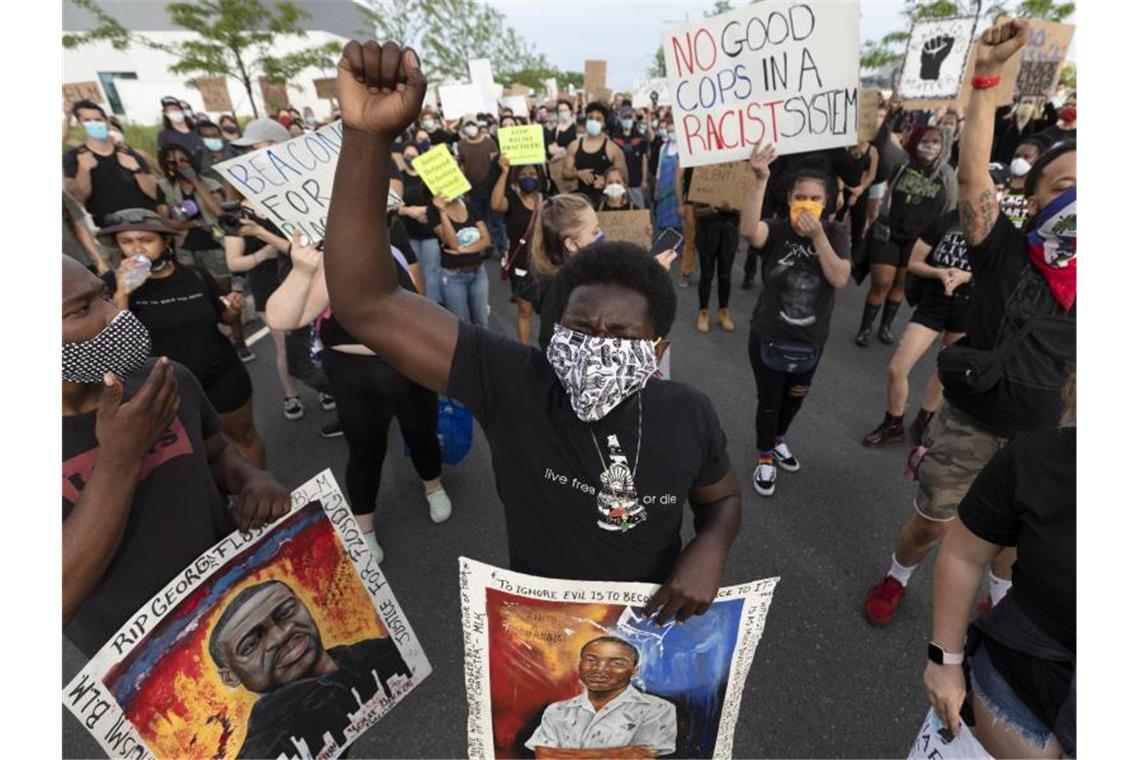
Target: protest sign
{"points": [[721, 185], [775, 72], [457, 100], [183, 678], [551, 87], [522, 145], [290, 183], [440, 173], [517, 104], [76, 91], [275, 96], [215, 93], [595, 78], [644, 90], [633, 226], [524, 637], [516, 90], [868, 115], [935, 742], [326, 88], [935, 59], [1042, 58]]}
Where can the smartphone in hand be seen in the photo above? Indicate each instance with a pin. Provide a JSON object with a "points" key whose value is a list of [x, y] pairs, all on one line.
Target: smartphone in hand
{"points": [[669, 239]]}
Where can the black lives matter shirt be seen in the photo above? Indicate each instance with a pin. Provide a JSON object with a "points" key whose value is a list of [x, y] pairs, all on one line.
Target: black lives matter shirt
{"points": [[1008, 290], [796, 303], [1026, 496], [548, 470], [1015, 205], [947, 251], [176, 513], [916, 200]]}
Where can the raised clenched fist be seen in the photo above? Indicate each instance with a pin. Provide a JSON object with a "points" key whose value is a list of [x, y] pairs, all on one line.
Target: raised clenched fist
{"points": [[998, 44], [380, 89], [934, 52]]}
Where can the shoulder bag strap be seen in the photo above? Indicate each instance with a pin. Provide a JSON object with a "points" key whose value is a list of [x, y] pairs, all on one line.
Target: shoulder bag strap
{"points": [[526, 236]]}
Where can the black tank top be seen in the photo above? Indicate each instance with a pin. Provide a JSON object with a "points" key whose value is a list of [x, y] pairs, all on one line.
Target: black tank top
{"points": [[599, 161]]}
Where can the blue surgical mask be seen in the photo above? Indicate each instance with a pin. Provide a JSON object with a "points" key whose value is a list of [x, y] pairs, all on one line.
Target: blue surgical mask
{"points": [[627, 124], [528, 184], [96, 130], [213, 143], [593, 127]]}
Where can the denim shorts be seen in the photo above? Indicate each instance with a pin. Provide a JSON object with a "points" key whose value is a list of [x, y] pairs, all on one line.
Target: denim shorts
{"points": [[1002, 701]]}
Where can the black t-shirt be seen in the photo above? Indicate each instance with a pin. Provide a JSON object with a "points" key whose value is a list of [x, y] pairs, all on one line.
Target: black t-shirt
{"points": [[1026, 496], [176, 512], [1008, 289], [181, 314], [540, 294], [565, 138], [443, 136], [113, 188], [416, 194], [517, 220], [796, 302], [916, 200], [948, 250], [467, 232], [188, 140], [547, 466]]}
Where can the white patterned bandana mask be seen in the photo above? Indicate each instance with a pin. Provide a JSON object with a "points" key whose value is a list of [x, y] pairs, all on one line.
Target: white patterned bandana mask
{"points": [[599, 373], [122, 347]]}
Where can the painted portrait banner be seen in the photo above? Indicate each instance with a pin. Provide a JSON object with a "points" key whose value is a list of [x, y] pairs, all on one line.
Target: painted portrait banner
{"points": [[935, 62], [291, 182], [575, 665], [780, 72], [285, 642]]}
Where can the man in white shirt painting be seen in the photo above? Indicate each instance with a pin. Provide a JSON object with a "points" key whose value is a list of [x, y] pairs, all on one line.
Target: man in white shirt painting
{"points": [[610, 718]]}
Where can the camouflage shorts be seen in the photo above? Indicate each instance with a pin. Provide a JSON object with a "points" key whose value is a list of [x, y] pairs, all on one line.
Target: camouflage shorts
{"points": [[959, 448]]}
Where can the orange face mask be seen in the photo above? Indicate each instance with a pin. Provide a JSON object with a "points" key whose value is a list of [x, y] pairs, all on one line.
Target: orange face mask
{"points": [[815, 208]]}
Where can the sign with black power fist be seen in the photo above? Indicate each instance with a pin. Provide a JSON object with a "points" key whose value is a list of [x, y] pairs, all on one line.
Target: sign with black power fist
{"points": [[935, 60]]}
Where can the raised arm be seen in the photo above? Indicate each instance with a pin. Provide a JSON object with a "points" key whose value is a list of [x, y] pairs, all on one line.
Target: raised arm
{"points": [[499, 202], [977, 201], [380, 91], [754, 230], [303, 295]]}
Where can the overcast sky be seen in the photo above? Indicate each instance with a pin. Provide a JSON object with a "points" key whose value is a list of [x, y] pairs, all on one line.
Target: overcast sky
{"points": [[626, 33]]}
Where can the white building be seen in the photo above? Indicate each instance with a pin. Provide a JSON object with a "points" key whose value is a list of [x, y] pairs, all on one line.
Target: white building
{"points": [[133, 81]]}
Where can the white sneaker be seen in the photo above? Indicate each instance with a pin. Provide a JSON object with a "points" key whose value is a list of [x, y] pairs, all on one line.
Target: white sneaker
{"points": [[439, 506], [764, 478], [785, 458], [374, 546]]}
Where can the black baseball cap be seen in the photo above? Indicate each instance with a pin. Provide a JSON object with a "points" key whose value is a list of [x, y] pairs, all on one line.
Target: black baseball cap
{"points": [[170, 100]]}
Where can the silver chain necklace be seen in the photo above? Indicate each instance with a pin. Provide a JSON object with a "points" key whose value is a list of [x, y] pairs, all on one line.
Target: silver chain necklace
{"points": [[637, 455]]}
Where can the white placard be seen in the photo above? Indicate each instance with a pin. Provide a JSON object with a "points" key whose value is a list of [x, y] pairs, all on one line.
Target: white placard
{"points": [[458, 100], [777, 71], [935, 60], [517, 104], [643, 90], [551, 86], [930, 744]]}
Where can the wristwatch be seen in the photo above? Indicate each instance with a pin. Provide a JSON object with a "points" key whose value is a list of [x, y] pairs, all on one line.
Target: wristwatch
{"points": [[940, 656]]}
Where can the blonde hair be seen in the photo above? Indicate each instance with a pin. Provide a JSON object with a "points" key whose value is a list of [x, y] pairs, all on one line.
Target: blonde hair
{"points": [[561, 217], [1069, 398]]}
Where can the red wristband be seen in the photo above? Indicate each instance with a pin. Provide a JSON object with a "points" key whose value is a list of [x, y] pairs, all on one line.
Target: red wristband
{"points": [[984, 83]]}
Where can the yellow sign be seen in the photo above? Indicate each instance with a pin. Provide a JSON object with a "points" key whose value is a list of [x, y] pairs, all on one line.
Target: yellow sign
{"points": [[522, 145], [441, 174]]}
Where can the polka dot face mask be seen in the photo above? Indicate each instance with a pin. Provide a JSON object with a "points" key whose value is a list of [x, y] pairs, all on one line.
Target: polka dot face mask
{"points": [[122, 347]]}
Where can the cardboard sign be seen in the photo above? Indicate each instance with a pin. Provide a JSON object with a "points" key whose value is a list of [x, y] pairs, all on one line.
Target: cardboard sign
{"points": [[776, 72], [291, 182], [167, 685], [936, 57], [215, 93], [868, 115], [517, 89], [632, 226], [1042, 59], [275, 96], [77, 91], [595, 78], [458, 100], [441, 173], [524, 638], [522, 145], [645, 89], [721, 184], [326, 88]]}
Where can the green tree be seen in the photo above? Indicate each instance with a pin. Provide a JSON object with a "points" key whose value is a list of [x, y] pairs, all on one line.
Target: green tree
{"points": [[234, 38], [890, 50], [1043, 9], [1068, 78], [657, 68]]}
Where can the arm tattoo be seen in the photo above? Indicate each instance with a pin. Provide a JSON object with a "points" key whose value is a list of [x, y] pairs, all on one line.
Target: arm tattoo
{"points": [[978, 217]]}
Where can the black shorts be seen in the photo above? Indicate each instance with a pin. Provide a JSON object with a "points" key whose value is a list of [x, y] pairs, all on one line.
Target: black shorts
{"points": [[943, 314], [230, 389], [520, 284], [892, 252]]}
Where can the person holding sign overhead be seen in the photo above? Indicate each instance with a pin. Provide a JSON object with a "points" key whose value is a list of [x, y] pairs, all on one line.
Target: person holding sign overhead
{"points": [[549, 417]]}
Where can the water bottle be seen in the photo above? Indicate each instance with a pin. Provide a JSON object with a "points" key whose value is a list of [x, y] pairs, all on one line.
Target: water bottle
{"points": [[137, 275]]}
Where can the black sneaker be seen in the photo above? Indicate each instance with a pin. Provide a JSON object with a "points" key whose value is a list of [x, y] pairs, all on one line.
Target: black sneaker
{"points": [[863, 339], [764, 476], [294, 409], [328, 403], [244, 353], [332, 430], [885, 335], [890, 430]]}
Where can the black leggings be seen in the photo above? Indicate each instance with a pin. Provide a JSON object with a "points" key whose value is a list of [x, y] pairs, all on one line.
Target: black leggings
{"points": [[716, 243], [369, 393], [299, 360], [779, 395]]}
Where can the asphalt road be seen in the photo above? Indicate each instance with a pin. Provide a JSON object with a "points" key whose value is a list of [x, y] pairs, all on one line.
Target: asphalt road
{"points": [[823, 683]]}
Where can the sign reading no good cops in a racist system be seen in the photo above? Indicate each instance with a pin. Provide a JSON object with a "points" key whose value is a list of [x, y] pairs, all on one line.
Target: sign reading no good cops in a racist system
{"points": [[290, 183], [774, 72]]}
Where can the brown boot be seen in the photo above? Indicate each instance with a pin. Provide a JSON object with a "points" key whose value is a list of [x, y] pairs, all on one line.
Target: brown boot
{"points": [[703, 321], [725, 320]]}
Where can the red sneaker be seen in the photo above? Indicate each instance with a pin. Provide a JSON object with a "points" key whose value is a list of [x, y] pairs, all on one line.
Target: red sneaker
{"points": [[881, 601]]}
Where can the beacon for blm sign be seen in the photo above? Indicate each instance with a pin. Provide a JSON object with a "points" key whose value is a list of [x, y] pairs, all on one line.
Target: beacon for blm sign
{"points": [[779, 72]]}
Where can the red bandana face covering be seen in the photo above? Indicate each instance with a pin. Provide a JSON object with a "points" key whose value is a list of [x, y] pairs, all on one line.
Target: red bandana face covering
{"points": [[1053, 247]]}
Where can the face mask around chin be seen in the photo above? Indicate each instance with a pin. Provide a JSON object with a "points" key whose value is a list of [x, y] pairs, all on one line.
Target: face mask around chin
{"points": [[599, 373], [122, 347]]}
